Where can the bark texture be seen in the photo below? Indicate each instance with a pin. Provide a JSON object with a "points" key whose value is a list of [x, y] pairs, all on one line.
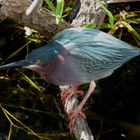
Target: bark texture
{"points": [[43, 21], [90, 13]]}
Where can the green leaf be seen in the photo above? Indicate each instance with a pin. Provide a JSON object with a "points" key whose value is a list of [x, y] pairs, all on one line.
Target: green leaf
{"points": [[31, 82], [111, 19], [67, 9], [106, 26], [59, 8], [50, 4], [131, 30], [59, 12], [17, 52], [89, 25]]}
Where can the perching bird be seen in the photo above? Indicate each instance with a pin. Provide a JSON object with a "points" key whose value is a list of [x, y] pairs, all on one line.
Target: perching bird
{"points": [[76, 56]]}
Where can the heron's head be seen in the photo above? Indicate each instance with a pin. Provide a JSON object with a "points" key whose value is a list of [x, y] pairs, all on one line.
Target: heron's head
{"points": [[35, 59]]}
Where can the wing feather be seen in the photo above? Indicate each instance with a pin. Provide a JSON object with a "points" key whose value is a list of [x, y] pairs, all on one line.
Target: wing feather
{"points": [[95, 51]]}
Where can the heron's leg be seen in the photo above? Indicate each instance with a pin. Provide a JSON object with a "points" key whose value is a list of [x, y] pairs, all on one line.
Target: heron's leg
{"points": [[73, 115], [67, 94]]}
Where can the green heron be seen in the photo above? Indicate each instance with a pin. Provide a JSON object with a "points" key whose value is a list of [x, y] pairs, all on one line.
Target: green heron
{"points": [[76, 56]]}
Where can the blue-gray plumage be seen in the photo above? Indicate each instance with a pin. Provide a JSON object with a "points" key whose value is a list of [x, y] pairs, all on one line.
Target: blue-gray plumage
{"points": [[76, 56]]}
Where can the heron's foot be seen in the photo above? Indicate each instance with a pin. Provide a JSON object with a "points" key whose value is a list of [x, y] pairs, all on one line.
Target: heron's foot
{"points": [[78, 111], [73, 116], [67, 94]]}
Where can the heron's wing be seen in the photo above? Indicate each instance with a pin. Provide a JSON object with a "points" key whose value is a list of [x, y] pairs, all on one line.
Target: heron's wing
{"points": [[95, 50]]}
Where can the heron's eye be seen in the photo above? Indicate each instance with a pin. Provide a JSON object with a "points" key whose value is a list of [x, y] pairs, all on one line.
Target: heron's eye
{"points": [[37, 61]]}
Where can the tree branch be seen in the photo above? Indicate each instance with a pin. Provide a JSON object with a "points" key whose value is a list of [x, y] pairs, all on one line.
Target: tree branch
{"points": [[80, 128], [35, 7], [90, 13], [43, 21]]}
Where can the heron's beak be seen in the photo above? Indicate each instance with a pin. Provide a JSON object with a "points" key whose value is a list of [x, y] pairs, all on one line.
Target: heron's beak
{"points": [[33, 67], [21, 63]]}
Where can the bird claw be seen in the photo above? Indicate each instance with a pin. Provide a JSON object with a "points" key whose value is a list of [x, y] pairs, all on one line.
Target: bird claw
{"points": [[73, 116], [67, 94]]}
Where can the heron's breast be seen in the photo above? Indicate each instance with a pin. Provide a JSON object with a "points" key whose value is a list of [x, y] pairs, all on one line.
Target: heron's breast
{"points": [[62, 71]]}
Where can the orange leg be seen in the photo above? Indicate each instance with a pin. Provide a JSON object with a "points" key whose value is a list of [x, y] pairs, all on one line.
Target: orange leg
{"points": [[78, 111], [67, 94]]}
